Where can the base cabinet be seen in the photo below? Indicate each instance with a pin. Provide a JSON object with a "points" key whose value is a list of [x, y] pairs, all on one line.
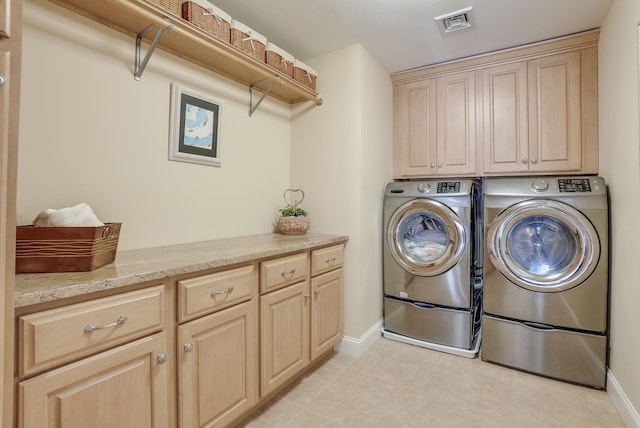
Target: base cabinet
{"points": [[326, 312], [218, 366], [284, 335], [123, 387]]}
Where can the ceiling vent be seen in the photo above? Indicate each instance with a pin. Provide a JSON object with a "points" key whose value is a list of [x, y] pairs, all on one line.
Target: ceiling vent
{"points": [[458, 20]]}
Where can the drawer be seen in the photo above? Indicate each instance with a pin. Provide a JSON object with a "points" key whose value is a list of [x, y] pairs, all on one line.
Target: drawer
{"points": [[277, 273], [56, 336], [208, 293], [326, 259]]}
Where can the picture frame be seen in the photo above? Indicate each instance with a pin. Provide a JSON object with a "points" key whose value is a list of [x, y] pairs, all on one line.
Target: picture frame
{"points": [[195, 127]]}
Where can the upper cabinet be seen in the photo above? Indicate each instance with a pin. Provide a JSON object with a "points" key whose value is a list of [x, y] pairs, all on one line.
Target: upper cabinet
{"points": [[190, 42], [435, 126], [535, 113]]}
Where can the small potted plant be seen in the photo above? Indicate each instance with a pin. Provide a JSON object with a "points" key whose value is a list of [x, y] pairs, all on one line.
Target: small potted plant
{"points": [[293, 220]]}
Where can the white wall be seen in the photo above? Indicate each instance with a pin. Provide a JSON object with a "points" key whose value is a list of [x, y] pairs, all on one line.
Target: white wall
{"points": [[341, 157], [620, 165], [90, 133]]}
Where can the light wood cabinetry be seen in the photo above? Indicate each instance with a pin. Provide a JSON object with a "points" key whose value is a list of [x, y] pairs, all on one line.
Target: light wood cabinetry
{"points": [[218, 361], [124, 387], [327, 287], [533, 115], [217, 352], [301, 321], [536, 113], [435, 126], [196, 350], [125, 384], [10, 59]]}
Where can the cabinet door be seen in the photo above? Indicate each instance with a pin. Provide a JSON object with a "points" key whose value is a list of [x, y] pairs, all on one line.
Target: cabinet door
{"points": [[218, 366], [506, 137], [123, 387], [284, 335], [326, 311], [555, 128], [456, 125], [415, 129]]}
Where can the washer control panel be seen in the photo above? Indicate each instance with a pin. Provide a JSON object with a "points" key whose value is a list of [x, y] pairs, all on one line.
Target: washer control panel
{"points": [[574, 185]]}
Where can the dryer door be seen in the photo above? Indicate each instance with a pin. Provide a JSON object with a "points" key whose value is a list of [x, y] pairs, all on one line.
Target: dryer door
{"points": [[543, 245], [426, 237]]}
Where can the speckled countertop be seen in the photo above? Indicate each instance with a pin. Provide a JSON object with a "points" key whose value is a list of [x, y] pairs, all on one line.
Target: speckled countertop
{"points": [[136, 266]]}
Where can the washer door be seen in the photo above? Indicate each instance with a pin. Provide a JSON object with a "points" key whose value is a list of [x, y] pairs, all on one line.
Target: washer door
{"points": [[543, 245], [426, 237]]}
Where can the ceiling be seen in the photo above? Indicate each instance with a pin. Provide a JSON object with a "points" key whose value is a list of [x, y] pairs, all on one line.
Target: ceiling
{"points": [[402, 34]]}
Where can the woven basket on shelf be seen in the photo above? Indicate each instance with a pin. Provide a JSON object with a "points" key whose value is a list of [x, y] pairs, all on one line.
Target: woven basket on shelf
{"points": [[172, 6], [279, 59], [304, 74], [211, 19], [248, 40]]}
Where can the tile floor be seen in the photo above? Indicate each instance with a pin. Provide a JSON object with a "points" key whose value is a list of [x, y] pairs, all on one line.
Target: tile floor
{"points": [[398, 385]]}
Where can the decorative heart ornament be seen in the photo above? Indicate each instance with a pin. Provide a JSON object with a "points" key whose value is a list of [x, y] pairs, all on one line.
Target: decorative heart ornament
{"points": [[293, 197]]}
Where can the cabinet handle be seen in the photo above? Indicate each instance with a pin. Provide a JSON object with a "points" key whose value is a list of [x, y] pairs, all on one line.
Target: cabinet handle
{"points": [[432, 165], [215, 293], [524, 160], [90, 328], [331, 261], [162, 358], [188, 347], [534, 160], [439, 164], [307, 296], [316, 291], [2, 79], [288, 272]]}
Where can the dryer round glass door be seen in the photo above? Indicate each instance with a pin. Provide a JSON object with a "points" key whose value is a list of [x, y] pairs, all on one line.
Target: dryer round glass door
{"points": [[543, 245], [426, 237]]}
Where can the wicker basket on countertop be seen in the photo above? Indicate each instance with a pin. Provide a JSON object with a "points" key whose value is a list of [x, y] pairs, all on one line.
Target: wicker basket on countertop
{"points": [[65, 249]]}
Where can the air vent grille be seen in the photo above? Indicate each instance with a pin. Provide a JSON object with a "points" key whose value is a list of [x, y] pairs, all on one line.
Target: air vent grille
{"points": [[458, 20]]}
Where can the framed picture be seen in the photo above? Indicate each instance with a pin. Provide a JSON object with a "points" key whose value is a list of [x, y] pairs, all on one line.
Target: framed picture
{"points": [[194, 130]]}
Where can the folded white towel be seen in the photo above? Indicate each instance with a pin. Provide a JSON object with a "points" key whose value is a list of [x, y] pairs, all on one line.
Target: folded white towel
{"points": [[78, 215]]}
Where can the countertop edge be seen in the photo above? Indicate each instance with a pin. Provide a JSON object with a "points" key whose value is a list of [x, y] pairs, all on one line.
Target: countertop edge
{"points": [[158, 263]]}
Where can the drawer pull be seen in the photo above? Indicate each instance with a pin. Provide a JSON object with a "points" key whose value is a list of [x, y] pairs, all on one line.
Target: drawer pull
{"points": [[291, 271], [162, 358], [90, 328], [215, 293], [188, 347], [331, 261]]}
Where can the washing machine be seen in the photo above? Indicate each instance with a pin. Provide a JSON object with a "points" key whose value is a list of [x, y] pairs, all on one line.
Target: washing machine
{"points": [[546, 276], [432, 261]]}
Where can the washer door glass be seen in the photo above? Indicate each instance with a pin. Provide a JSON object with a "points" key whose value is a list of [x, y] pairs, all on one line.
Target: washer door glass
{"points": [[543, 245], [426, 237]]}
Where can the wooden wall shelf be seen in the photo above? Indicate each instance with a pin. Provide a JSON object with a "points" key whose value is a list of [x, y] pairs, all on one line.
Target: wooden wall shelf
{"points": [[189, 42]]}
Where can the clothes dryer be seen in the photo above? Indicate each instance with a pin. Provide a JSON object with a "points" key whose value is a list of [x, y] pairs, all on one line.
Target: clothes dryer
{"points": [[546, 276], [432, 261]]}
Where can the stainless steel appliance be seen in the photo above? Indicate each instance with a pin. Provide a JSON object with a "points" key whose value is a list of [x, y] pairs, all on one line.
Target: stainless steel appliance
{"points": [[546, 276], [432, 260]]}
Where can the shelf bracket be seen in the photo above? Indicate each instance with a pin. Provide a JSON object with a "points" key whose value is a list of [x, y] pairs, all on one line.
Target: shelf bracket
{"points": [[253, 108], [140, 66]]}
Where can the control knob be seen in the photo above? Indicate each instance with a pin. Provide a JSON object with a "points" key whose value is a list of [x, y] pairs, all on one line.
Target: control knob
{"points": [[423, 187], [539, 186]]}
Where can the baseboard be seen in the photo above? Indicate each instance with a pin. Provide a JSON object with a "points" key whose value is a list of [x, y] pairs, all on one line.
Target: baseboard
{"points": [[620, 400], [357, 346]]}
